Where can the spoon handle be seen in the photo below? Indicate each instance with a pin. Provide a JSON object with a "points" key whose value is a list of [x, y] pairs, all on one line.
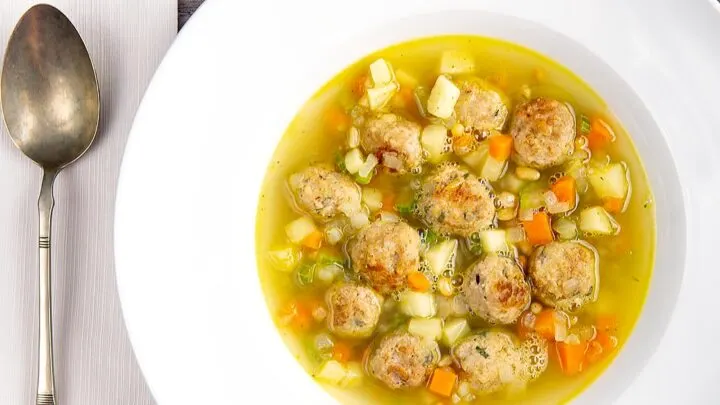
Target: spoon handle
{"points": [[46, 375]]}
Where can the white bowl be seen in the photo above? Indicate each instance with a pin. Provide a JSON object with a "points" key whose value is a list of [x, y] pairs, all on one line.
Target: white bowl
{"points": [[203, 138]]}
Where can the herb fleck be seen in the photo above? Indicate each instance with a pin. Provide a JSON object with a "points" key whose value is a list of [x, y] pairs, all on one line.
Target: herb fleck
{"points": [[482, 351]]}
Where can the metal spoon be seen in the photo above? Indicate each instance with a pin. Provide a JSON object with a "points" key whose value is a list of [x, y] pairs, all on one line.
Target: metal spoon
{"points": [[51, 104]]}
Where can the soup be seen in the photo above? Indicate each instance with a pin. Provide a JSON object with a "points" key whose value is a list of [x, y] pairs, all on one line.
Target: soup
{"points": [[455, 220]]}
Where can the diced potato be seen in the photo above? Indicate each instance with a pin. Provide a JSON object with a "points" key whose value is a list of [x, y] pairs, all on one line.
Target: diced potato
{"points": [[353, 160], [332, 372], [422, 305], [285, 259], [475, 158], [353, 376], [512, 183], [381, 73], [596, 221], [454, 62], [453, 330], [434, 141], [610, 181], [441, 256], [378, 97], [443, 97], [372, 197], [493, 240], [565, 228], [405, 79], [300, 229], [493, 169], [430, 329]]}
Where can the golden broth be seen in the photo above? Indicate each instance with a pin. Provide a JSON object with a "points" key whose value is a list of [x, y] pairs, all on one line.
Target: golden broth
{"points": [[626, 260]]}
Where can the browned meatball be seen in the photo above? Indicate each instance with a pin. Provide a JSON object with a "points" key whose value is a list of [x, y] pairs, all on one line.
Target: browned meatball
{"points": [[454, 201], [353, 310], [490, 360], [402, 360], [543, 132], [325, 193], [384, 253], [395, 141], [565, 274], [479, 107], [496, 290]]}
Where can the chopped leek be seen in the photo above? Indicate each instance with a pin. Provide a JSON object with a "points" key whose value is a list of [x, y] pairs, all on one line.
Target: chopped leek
{"points": [[421, 95], [565, 228], [372, 197], [430, 329], [443, 97], [441, 257], [455, 62], [532, 197], [353, 160], [434, 141], [300, 229], [454, 330], [595, 221], [418, 304], [584, 124], [305, 274], [610, 181], [493, 169]]}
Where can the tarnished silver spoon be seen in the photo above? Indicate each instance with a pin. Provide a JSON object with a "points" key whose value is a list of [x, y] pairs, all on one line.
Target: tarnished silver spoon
{"points": [[51, 104]]}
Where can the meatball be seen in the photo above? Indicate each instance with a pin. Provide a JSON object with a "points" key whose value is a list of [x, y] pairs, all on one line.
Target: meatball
{"points": [[384, 253], [564, 274], [395, 141], [325, 193], [491, 360], [495, 289], [453, 201], [402, 360], [543, 132], [353, 310], [480, 108]]}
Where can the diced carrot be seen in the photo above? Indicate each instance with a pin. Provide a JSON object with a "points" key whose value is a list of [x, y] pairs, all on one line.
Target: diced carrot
{"points": [[388, 201], [314, 240], [600, 136], [565, 190], [602, 345], [572, 356], [500, 146], [538, 230], [613, 205], [418, 282], [545, 324], [499, 79], [297, 315], [404, 98], [606, 340], [443, 381], [337, 119], [606, 323], [342, 352], [358, 86]]}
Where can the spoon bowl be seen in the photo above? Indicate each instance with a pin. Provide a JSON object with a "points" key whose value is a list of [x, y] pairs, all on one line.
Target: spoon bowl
{"points": [[51, 106], [48, 89]]}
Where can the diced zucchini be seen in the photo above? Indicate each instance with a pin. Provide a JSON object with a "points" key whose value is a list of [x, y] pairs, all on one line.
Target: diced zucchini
{"points": [[493, 169], [378, 97], [434, 141], [329, 256], [476, 158], [300, 229], [381, 73], [565, 228], [353, 160], [454, 330], [596, 221], [353, 376], [493, 240], [532, 197], [430, 329], [405, 79], [418, 304], [609, 181], [454, 62], [372, 197], [332, 372], [285, 259], [441, 257], [443, 97], [512, 183]]}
